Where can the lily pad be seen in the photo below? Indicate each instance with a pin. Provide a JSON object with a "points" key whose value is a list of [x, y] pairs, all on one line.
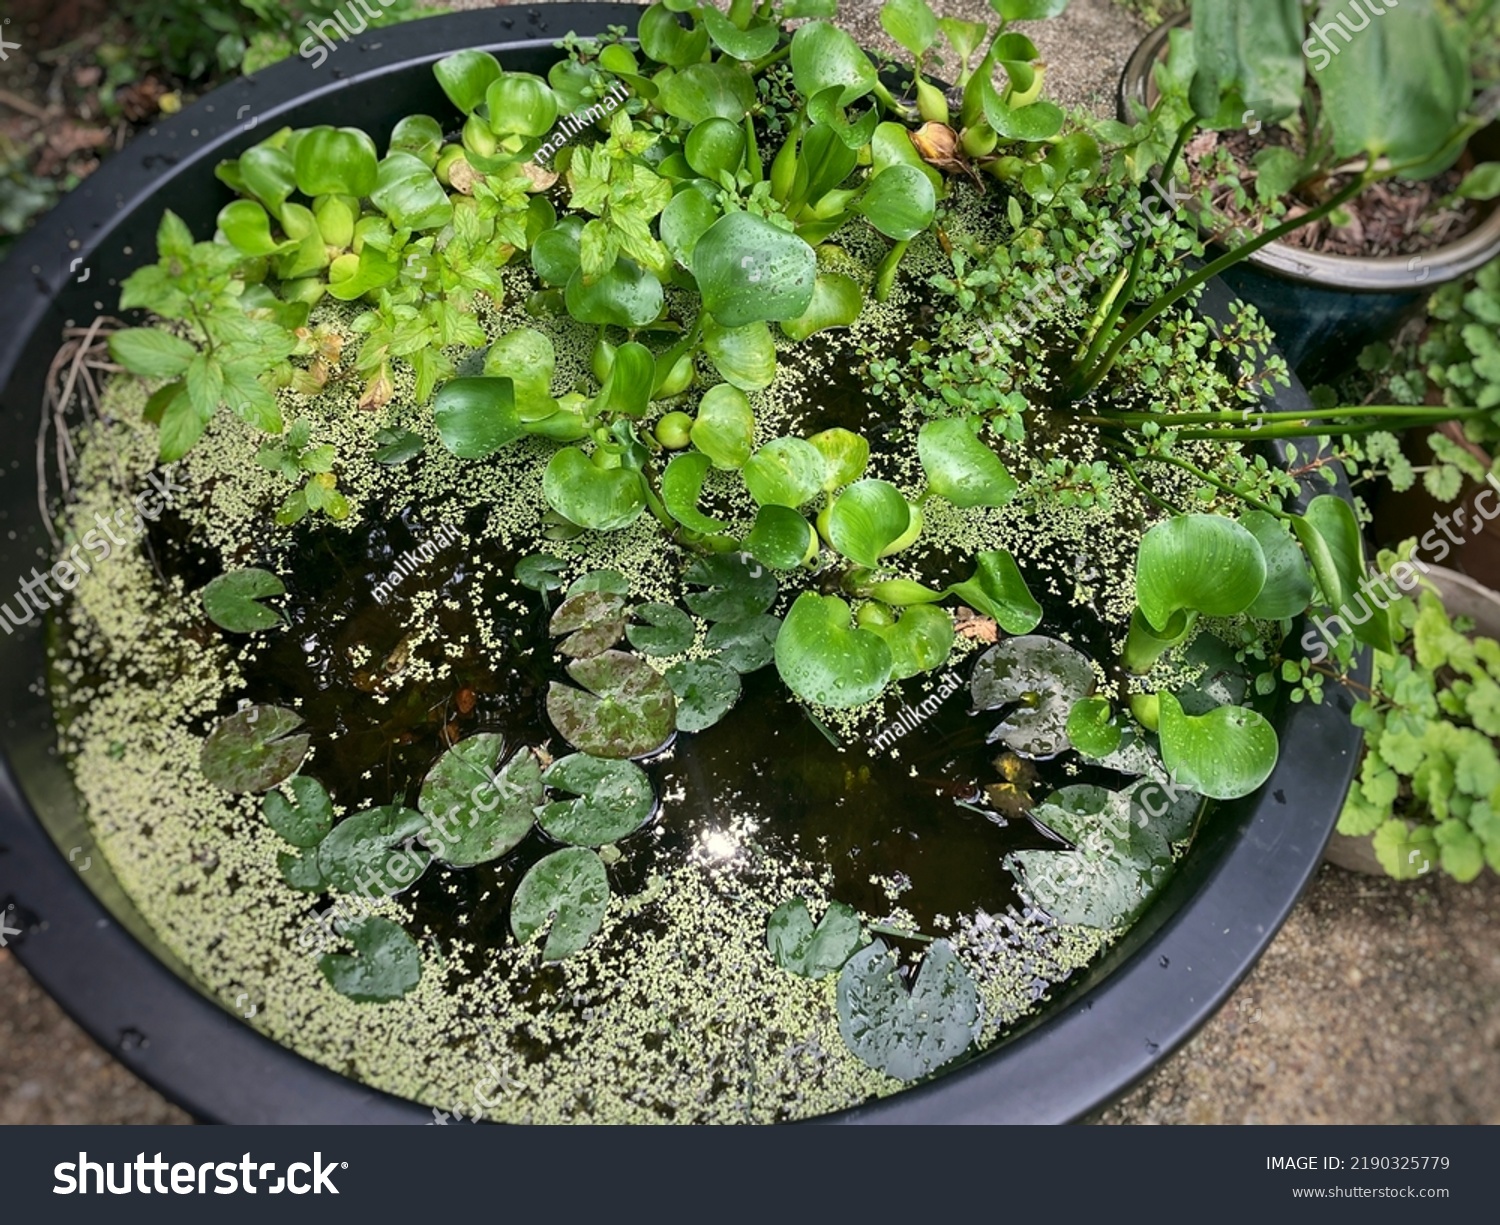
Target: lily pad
{"points": [[746, 645], [813, 952], [593, 621], [907, 1035], [612, 799], [706, 690], [300, 870], [305, 819], [232, 601], [660, 629], [1041, 678], [566, 894], [476, 815], [360, 855], [253, 750], [736, 587], [387, 963], [626, 708]]}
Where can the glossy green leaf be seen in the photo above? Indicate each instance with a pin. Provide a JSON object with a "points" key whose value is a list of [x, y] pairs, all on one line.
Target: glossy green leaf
{"points": [[248, 229], [845, 456], [749, 270], [747, 644], [364, 853], [254, 749], [386, 966], [736, 587], [781, 537], [554, 254], [813, 952], [335, 161], [706, 690], [1202, 563], [1039, 121], [899, 202], [475, 813], [667, 41], [305, 819], [626, 709], [409, 194], [785, 472], [1091, 728], [604, 499], [823, 55], [419, 135], [661, 630], [684, 221], [1039, 679], [476, 416], [836, 303], [724, 428], [745, 356], [1288, 587], [566, 894], [920, 640], [466, 77], [232, 601], [753, 43], [1329, 533], [866, 519], [907, 1035], [269, 176], [626, 296], [527, 358], [891, 146], [610, 800], [632, 375], [823, 658], [998, 590], [681, 486], [912, 23], [520, 104], [1224, 754], [714, 147], [705, 91], [960, 468]]}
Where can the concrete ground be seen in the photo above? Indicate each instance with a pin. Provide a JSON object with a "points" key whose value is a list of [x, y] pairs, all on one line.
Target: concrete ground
{"points": [[1378, 1003]]}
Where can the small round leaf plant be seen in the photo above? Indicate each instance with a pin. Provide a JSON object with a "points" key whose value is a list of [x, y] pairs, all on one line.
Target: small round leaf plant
{"points": [[634, 327]]}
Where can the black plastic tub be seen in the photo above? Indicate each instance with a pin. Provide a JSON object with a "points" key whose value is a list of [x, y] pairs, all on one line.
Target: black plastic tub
{"points": [[1326, 308], [84, 942]]}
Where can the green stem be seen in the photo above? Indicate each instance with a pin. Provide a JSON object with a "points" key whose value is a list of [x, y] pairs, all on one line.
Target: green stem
{"points": [[885, 278], [1414, 413], [752, 151], [766, 61]]}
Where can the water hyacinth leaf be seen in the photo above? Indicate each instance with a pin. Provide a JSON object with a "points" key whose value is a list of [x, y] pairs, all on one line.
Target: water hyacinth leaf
{"points": [[744, 356], [1224, 754], [540, 572], [520, 104], [660, 630], [625, 708], [1144, 644], [1091, 728], [823, 55], [813, 952], [736, 587], [866, 519], [845, 456], [1039, 120], [632, 375], [899, 202], [751, 271], [1028, 10], [269, 176], [232, 601], [919, 641], [594, 621], [526, 357], [248, 228], [477, 814], [393, 446], [714, 147], [724, 428], [603, 499], [823, 658], [836, 303], [684, 221], [363, 854], [907, 1035], [419, 135], [386, 963], [891, 146], [706, 690], [749, 44], [706, 91], [254, 749], [1040, 678], [1329, 532], [565, 894], [335, 161], [610, 800], [466, 77], [627, 296], [746, 645], [780, 538], [554, 254], [1288, 586], [668, 41], [785, 472], [300, 870], [681, 486], [911, 23], [960, 468], [1199, 563], [409, 194], [998, 590], [476, 416], [305, 819]]}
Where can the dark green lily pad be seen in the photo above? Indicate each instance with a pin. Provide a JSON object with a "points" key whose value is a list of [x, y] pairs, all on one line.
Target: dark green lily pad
{"points": [[387, 963], [475, 814], [540, 572], [662, 629], [300, 870], [361, 855], [232, 601], [746, 645], [305, 819], [253, 750], [626, 708], [594, 621], [1043, 678], [813, 952], [907, 1035], [612, 799], [567, 894], [706, 690], [738, 587]]}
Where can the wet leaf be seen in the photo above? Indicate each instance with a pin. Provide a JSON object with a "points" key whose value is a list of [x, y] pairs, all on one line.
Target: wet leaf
{"points": [[540, 572], [566, 894], [603, 499], [613, 799], [361, 855], [706, 690], [724, 428], [305, 819], [1197, 563], [476, 416], [781, 537], [232, 600], [1040, 678], [823, 56], [998, 589], [785, 472], [1091, 728], [397, 446], [593, 619], [736, 587], [845, 456], [907, 1035], [300, 870], [745, 356], [387, 963], [681, 486], [919, 641], [474, 813], [899, 202], [626, 708], [866, 519], [960, 468], [751, 271], [823, 658], [1225, 753], [1288, 586], [662, 629], [813, 952], [253, 750]]}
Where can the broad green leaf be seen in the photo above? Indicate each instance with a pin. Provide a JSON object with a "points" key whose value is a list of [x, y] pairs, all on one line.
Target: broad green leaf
{"points": [[714, 147], [1040, 679], [625, 708], [248, 229], [554, 254], [540, 572], [300, 870], [254, 749], [306, 818], [706, 690], [419, 135], [907, 1035], [611, 799], [520, 104], [998, 590], [920, 640], [823, 55], [813, 952], [1200, 563], [364, 854], [1406, 851], [749, 270], [269, 176], [1028, 10], [626, 296], [661, 630], [781, 537], [603, 499], [736, 588], [745, 356], [668, 41], [747, 644], [151, 352], [387, 963], [466, 77], [823, 658], [527, 358], [475, 813], [785, 472], [836, 303], [476, 416], [632, 375], [866, 519], [1481, 183], [1249, 59], [752, 43], [1041, 120], [593, 619], [960, 468], [1224, 754], [232, 601], [1288, 589], [409, 194], [899, 202], [891, 146], [565, 894], [684, 221], [371, 269], [335, 161], [1091, 728], [724, 428], [705, 91], [1329, 532], [911, 23], [845, 456], [681, 486]]}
